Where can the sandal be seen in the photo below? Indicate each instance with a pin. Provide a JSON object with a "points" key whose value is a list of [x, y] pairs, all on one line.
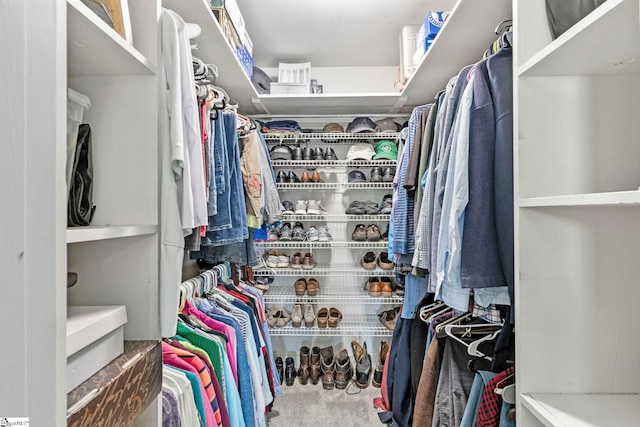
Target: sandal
{"points": [[322, 317], [334, 317], [300, 286], [312, 287]]}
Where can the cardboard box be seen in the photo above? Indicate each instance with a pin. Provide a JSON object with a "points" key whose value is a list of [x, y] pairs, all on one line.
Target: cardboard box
{"points": [[289, 88], [233, 13]]}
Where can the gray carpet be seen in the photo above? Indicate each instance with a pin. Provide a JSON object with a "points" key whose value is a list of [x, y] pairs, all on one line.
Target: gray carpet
{"points": [[311, 405]]}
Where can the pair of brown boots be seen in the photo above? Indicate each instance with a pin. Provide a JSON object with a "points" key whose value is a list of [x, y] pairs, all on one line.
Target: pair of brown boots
{"points": [[320, 364]]}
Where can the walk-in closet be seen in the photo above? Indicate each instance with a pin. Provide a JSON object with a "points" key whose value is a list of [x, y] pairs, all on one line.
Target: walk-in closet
{"points": [[245, 213]]}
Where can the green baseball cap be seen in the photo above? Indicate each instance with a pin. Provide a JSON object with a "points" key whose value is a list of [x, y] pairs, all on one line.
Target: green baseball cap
{"points": [[386, 149]]}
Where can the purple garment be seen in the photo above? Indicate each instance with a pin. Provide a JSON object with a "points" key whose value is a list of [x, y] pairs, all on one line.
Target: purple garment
{"points": [[170, 409]]}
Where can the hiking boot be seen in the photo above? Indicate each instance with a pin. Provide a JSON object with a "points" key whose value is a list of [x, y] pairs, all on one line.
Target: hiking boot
{"points": [[289, 371], [328, 367], [314, 365], [376, 381], [363, 369], [304, 368], [314, 207], [344, 371]]}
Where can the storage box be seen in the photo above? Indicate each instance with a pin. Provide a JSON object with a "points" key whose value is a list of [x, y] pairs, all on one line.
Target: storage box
{"points": [[233, 12], [95, 336], [289, 88], [427, 33], [120, 391], [77, 104], [245, 60]]}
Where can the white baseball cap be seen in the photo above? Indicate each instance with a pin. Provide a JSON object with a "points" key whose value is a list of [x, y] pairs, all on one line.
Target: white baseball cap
{"points": [[361, 151]]}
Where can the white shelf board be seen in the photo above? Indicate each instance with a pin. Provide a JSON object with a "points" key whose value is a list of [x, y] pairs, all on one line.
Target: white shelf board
{"points": [[94, 48], [213, 48], [87, 324], [588, 410], [461, 41], [329, 103], [102, 232], [617, 198], [604, 42]]}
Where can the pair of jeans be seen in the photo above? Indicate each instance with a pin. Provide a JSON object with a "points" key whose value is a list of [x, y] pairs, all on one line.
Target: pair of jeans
{"points": [[232, 199]]}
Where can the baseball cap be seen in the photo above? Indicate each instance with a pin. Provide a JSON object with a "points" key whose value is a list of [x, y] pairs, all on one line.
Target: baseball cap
{"points": [[385, 149], [357, 176], [280, 152], [361, 151], [362, 124], [387, 125], [333, 128]]}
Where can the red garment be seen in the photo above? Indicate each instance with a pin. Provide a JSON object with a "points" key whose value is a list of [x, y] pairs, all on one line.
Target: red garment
{"points": [[491, 402], [383, 402]]}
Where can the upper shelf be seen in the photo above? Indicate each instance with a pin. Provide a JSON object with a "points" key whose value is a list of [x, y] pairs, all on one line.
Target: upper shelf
{"points": [[606, 41], [94, 48], [453, 49]]}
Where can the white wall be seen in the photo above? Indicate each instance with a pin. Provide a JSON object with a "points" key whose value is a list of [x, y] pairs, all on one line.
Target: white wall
{"points": [[350, 79]]}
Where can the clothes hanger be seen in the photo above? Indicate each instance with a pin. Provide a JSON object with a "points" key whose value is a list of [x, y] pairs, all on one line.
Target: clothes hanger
{"points": [[455, 320], [427, 309], [507, 392]]}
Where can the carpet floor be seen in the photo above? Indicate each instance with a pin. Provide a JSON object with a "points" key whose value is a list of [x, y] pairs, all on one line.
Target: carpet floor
{"points": [[311, 405]]}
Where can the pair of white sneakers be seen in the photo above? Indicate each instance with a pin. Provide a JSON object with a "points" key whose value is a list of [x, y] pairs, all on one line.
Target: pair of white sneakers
{"points": [[309, 207]]}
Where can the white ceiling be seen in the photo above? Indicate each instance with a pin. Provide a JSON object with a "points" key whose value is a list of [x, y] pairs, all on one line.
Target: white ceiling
{"points": [[332, 33]]}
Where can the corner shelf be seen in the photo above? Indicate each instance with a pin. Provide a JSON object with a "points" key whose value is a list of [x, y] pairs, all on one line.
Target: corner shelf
{"points": [[352, 325], [94, 48], [323, 271], [103, 232], [315, 245], [333, 163], [333, 185], [592, 46], [327, 294], [577, 410]]}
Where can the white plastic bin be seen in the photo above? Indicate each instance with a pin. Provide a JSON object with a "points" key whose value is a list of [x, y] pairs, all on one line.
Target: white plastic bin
{"points": [[77, 104], [294, 73]]}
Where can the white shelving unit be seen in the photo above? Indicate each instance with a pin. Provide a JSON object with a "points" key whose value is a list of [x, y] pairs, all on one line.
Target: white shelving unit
{"points": [[577, 170], [333, 185], [452, 50], [354, 325], [318, 245], [53, 46], [328, 294], [324, 270], [333, 163]]}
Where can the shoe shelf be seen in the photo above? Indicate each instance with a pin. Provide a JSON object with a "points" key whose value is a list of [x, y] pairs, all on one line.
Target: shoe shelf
{"points": [[332, 244], [332, 185], [332, 218], [329, 138], [327, 295], [324, 271], [335, 163], [351, 325]]}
